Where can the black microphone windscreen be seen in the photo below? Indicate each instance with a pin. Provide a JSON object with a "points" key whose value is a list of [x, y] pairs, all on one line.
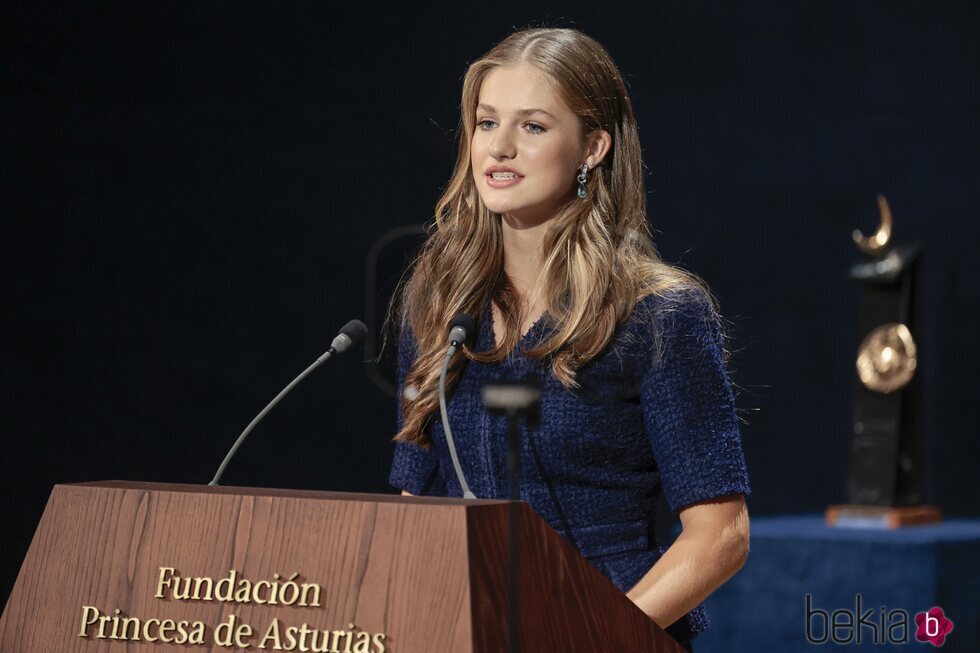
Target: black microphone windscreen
{"points": [[462, 329], [465, 321], [356, 331]]}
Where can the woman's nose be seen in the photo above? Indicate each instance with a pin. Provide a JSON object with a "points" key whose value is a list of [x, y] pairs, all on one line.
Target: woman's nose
{"points": [[502, 146]]}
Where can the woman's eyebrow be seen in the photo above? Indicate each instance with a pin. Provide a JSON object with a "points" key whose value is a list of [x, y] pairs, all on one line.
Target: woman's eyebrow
{"points": [[521, 112]]}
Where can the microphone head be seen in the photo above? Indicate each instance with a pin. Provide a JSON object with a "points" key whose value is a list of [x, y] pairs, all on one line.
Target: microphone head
{"points": [[462, 328], [465, 321], [351, 335]]}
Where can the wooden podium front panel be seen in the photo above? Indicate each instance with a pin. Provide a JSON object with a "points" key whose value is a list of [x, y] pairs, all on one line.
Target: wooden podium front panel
{"points": [[103, 545], [565, 603]]}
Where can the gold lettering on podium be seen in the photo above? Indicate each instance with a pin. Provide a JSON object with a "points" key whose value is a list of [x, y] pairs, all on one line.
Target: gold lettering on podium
{"points": [[235, 589], [231, 632], [133, 629]]}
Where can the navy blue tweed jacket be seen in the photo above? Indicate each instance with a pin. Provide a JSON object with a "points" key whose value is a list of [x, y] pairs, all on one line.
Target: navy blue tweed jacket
{"points": [[655, 413]]}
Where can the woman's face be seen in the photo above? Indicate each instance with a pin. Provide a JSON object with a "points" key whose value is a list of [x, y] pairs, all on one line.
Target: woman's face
{"points": [[526, 148]]}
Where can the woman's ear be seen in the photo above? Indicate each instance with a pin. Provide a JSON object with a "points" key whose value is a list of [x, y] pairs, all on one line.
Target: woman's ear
{"points": [[598, 145]]}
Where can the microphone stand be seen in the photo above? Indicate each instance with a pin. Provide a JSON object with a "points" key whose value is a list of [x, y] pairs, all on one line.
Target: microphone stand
{"points": [[514, 401], [351, 335], [514, 474]]}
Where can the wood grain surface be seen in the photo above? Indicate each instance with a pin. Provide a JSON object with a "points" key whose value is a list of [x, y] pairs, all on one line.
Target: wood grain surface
{"points": [[428, 573]]}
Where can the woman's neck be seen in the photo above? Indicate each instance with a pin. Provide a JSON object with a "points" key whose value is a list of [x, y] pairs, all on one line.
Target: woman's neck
{"points": [[522, 254], [522, 264]]}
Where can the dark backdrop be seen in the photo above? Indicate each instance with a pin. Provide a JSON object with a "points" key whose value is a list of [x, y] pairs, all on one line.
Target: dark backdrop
{"points": [[189, 192]]}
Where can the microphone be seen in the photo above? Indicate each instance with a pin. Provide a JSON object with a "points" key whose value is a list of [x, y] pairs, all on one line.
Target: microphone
{"points": [[513, 400], [350, 336], [461, 329]]}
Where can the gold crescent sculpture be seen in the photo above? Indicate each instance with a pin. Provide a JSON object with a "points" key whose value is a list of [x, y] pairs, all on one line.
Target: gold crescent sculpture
{"points": [[887, 358], [877, 244]]}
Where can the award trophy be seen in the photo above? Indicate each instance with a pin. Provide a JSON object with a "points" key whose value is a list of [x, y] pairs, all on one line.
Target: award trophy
{"points": [[885, 486]]}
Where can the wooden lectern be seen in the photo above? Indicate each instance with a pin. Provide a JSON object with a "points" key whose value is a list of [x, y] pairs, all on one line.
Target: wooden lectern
{"points": [[154, 567]]}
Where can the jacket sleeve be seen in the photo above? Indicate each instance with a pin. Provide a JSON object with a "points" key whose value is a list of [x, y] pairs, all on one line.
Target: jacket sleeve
{"points": [[689, 406], [414, 468]]}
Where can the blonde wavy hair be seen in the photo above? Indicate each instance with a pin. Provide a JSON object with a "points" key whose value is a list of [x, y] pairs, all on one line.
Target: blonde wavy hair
{"points": [[599, 258]]}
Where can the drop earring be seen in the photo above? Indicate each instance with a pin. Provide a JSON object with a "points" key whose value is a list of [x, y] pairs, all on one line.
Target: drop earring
{"points": [[583, 177]]}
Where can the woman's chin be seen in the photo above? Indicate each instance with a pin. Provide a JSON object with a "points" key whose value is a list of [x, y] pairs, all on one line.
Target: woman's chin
{"points": [[519, 214], [497, 204]]}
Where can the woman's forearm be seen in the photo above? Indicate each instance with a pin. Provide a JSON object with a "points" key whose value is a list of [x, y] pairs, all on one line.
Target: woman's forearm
{"points": [[695, 565]]}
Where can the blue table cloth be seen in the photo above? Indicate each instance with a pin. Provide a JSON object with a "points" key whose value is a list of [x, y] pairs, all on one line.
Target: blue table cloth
{"points": [[913, 569]]}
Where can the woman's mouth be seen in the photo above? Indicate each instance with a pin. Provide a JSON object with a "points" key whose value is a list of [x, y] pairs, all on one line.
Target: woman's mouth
{"points": [[503, 179]]}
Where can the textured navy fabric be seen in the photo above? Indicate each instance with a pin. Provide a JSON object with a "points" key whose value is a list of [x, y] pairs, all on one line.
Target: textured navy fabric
{"points": [[655, 413]]}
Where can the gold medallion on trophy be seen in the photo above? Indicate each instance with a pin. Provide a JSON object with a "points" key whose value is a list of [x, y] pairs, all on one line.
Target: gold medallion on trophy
{"points": [[887, 359]]}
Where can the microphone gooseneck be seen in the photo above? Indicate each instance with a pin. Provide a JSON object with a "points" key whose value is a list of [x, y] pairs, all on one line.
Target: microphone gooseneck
{"points": [[460, 330], [350, 336]]}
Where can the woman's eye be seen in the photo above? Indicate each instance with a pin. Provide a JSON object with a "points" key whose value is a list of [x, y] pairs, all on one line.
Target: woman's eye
{"points": [[534, 128], [486, 123]]}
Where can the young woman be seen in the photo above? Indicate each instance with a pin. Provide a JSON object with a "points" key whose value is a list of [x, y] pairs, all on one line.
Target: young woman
{"points": [[542, 235]]}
